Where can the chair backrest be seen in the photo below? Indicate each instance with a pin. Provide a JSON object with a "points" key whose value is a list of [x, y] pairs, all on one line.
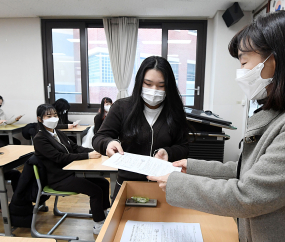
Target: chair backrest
{"points": [[36, 172]]}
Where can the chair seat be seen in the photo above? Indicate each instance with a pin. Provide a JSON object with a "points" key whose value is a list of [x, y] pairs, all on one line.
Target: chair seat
{"points": [[48, 189]]}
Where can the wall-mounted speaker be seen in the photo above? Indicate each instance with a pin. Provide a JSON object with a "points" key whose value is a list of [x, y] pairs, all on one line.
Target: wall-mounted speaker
{"points": [[233, 14]]}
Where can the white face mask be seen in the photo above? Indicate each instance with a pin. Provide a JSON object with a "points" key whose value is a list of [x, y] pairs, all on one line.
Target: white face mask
{"points": [[50, 122], [152, 97], [107, 108], [251, 82]]}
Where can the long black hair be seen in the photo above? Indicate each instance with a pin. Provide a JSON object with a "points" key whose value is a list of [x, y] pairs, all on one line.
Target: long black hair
{"points": [[175, 114], [43, 110], [265, 36], [101, 110], [1, 98], [61, 105]]}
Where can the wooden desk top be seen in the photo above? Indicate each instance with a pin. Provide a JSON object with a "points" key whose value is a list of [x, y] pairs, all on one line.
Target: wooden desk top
{"points": [[214, 228], [89, 165], [78, 128], [13, 152], [21, 239], [9, 127]]}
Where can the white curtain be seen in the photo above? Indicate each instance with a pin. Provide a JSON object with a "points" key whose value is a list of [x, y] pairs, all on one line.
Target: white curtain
{"points": [[121, 35]]}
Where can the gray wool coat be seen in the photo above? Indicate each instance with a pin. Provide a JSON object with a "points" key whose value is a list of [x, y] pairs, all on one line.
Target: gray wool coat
{"points": [[257, 198]]}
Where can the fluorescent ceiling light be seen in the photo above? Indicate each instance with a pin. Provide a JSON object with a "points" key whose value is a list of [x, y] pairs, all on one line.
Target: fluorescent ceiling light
{"points": [[179, 41], [74, 40], [70, 61], [172, 55], [152, 42], [57, 54], [97, 42]]}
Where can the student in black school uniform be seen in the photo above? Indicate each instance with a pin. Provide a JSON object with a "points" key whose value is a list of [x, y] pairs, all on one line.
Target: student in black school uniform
{"points": [[106, 103], [56, 150], [62, 107], [150, 122]]}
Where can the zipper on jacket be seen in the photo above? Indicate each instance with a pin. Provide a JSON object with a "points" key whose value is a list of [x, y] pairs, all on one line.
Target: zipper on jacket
{"points": [[151, 141], [64, 147]]}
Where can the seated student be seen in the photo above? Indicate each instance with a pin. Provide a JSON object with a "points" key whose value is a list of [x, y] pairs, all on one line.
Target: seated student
{"points": [[62, 107], [102, 113], [4, 139], [150, 122], [56, 150]]}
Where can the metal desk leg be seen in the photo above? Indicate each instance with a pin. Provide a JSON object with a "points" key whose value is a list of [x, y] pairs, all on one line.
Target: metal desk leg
{"points": [[10, 137], [78, 137], [4, 204], [113, 178]]}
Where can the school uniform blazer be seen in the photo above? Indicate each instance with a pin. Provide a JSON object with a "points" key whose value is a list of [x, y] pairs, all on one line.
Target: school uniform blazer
{"points": [[61, 124], [176, 146], [55, 155], [257, 197]]}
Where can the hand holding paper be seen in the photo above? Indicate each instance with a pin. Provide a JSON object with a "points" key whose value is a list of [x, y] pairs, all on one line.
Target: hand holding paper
{"points": [[76, 123], [141, 164]]}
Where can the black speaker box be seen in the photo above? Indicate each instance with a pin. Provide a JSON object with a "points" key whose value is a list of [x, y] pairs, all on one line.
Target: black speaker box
{"points": [[233, 14]]}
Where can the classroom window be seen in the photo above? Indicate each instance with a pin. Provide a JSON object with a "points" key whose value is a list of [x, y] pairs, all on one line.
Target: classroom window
{"points": [[77, 64], [66, 64]]}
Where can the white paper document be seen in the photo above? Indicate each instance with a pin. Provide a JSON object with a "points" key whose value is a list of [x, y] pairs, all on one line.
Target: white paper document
{"points": [[141, 164], [76, 123], [135, 231]]}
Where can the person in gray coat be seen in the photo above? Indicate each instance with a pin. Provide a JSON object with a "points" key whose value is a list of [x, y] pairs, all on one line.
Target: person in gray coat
{"points": [[252, 189]]}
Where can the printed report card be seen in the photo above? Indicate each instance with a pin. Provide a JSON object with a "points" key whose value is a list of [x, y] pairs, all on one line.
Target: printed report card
{"points": [[138, 231], [141, 164]]}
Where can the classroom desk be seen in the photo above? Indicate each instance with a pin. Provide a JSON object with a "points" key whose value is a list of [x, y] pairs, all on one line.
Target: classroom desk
{"points": [[14, 155], [21, 239], [11, 129], [76, 131], [93, 168], [214, 228]]}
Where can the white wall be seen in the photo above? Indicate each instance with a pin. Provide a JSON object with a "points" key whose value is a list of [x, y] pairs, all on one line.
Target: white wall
{"points": [[21, 81], [222, 94]]}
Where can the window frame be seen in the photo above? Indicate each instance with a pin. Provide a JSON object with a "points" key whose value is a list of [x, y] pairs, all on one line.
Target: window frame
{"points": [[83, 24]]}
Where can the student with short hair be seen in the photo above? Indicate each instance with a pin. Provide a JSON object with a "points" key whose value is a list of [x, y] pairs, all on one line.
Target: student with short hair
{"points": [[150, 122], [56, 151], [252, 189]]}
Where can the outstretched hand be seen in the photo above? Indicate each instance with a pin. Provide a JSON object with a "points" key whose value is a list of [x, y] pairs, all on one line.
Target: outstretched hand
{"points": [[181, 163], [161, 154], [114, 147], [161, 180]]}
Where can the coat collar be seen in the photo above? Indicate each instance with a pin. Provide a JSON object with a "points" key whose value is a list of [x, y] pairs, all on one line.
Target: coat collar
{"points": [[261, 119]]}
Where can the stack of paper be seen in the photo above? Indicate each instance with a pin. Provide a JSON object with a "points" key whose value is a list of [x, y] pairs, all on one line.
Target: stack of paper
{"points": [[141, 164], [135, 231]]}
